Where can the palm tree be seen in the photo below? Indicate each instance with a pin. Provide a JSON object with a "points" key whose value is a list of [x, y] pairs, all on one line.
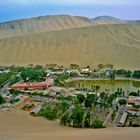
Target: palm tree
{"points": [[100, 66], [74, 66]]}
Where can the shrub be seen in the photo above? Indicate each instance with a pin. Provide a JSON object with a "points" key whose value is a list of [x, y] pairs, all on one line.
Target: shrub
{"points": [[133, 94], [50, 113], [87, 120], [122, 102], [1, 100], [65, 119], [98, 124], [77, 116]]}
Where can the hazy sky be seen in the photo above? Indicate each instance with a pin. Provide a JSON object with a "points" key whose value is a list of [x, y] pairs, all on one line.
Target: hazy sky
{"points": [[15, 9]]}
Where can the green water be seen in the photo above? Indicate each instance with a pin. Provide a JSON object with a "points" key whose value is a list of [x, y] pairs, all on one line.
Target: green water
{"points": [[110, 85]]}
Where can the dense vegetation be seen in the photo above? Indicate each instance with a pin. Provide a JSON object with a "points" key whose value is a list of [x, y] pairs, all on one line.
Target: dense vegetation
{"points": [[32, 74], [4, 77], [80, 114], [136, 74], [123, 73], [1, 100], [49, 112], [60, 80], [75, 111]]}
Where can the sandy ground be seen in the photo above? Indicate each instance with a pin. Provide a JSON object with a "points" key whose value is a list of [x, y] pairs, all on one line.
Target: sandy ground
{"points": [[18, 125], [106, 44]]}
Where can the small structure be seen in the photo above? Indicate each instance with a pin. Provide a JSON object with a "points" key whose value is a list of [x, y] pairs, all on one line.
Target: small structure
{"points": [[123, 119], [85, 70], [133, 103], [6, 107], [53, 91], [73, 71], [36, 110], [134, 100], [20, 100], [5, 71], [49, 81], [28, 106], [7, 96]]}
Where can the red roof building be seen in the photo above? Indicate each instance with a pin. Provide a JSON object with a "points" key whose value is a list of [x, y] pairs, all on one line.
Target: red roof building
{"points": [[31, 86]]}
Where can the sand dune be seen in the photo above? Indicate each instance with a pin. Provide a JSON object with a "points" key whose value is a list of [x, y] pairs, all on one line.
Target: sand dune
{"points": [[18, 125], [64, 39], [51, 23], [117, 44], [42, 24], [108, 20]]}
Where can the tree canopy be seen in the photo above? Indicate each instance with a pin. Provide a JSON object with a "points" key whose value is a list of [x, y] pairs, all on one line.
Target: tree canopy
{"points": [[31, 74]]}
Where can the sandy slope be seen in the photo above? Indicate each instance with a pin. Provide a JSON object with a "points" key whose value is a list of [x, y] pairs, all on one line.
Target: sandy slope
{"points": [[42, 24], [51, 23], [18, 125], [116, 44]]}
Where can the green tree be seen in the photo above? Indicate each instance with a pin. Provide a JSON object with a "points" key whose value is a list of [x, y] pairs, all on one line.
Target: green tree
{"points": [[60, 80], [100, 66], [39, 67], [122, 102], [90, 100], [64, 106], [65, 119], [77, 116], [74, 66], [128, 74], [31, 74], [1, 100], [14, 91], [87, 119], [88, 67], [50, 113], [136, 74], [111, 98], [112, 75], [104, 100], [98, 124], [14, 80], [133, 94], [52, 66], [81, 98], [136, 106], [73, 74], [4, 77]]}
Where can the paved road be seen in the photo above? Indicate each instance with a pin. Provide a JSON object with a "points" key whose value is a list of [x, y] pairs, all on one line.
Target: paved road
{"points": [[4, 90], [119, 114]]}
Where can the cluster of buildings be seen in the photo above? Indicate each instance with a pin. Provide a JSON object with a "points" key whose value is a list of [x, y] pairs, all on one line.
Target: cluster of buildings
{"points": [[56, 91], [14, 101], [133, 104], [20, 100], [33, 104], [132, 110], [25, 102]]}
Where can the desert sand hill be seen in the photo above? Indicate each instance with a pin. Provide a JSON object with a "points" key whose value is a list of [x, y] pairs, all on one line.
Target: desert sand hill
{"points": [[42, 24], [118, 44], [51, 23], [108, 20], [18, 125]]}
